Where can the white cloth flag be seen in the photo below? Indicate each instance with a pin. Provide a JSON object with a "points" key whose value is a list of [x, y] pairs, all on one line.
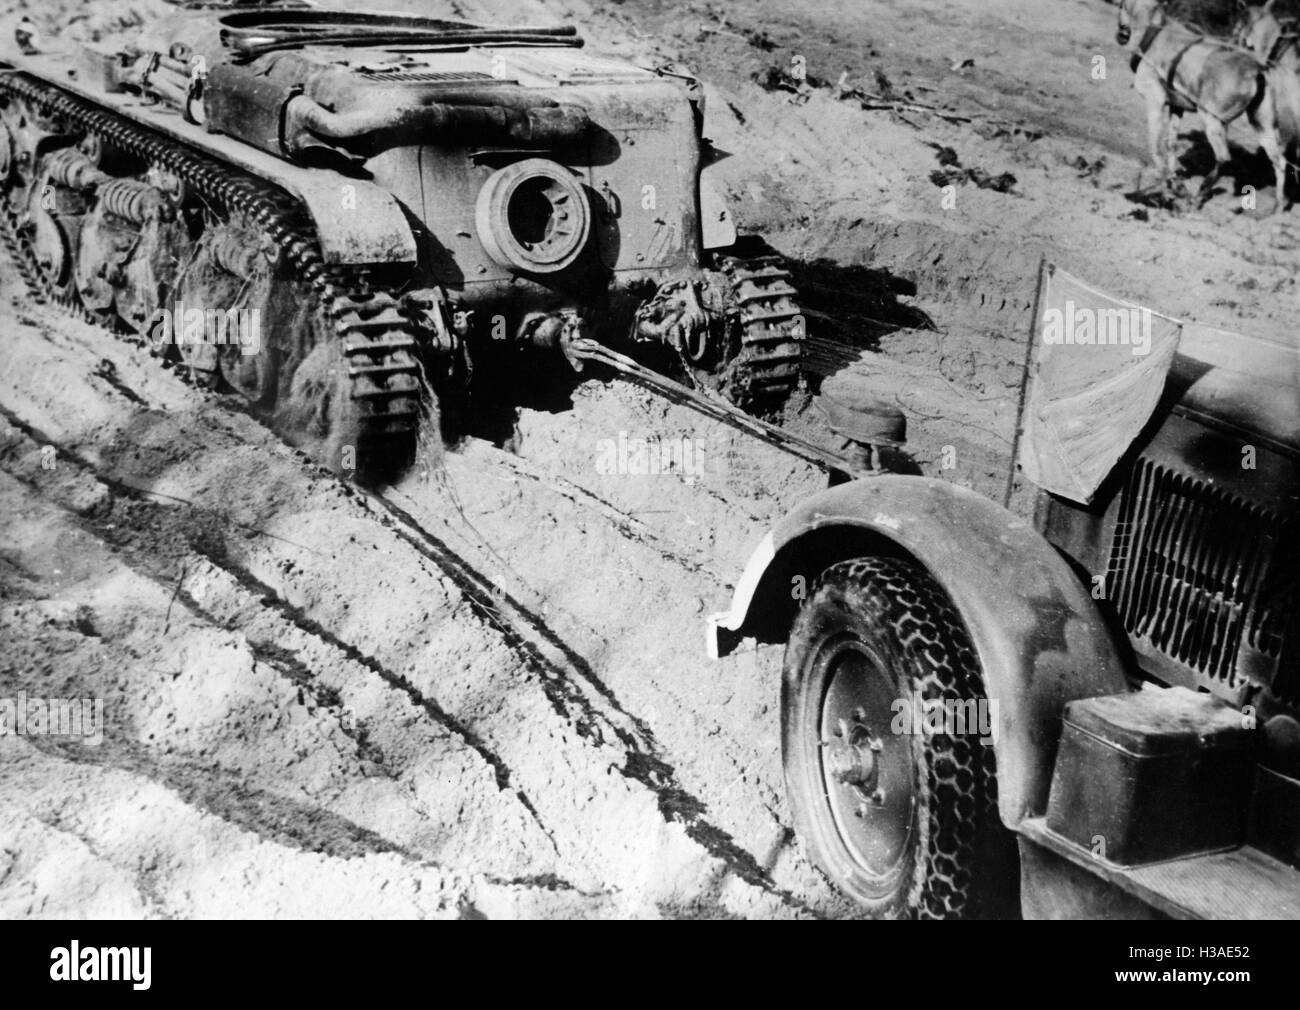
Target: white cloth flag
{"points": [[1097, 370]]}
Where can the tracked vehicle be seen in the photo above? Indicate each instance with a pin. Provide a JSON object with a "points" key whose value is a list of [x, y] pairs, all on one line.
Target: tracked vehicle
{"points": [[378, 195]]}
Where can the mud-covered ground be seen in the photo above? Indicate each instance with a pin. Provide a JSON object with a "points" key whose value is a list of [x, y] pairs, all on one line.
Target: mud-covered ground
{"points": [[484, 692]]}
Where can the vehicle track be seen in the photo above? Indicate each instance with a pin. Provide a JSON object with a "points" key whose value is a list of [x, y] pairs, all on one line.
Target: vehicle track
{"points": [[587, 858], [645, 762], [180, 556]]}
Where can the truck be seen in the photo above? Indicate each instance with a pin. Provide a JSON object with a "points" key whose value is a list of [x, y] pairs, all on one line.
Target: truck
{"points": [[1085, 708]]}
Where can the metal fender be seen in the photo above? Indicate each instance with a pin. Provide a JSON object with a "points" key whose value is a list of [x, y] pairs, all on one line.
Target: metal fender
{"points": [[1039, 637]]}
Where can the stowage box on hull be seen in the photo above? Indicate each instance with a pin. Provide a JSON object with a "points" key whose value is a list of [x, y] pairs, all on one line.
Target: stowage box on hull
{"points": [[1152, 775]]}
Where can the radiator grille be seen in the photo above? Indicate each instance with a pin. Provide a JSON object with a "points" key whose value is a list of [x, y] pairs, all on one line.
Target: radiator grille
{"points": [[1201, 574]]}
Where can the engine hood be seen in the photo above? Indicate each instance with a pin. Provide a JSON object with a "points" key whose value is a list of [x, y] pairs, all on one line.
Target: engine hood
{"points": [[1240, 382]]}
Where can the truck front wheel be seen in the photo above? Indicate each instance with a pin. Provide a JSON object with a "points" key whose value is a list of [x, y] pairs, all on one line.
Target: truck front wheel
{"points": [[887, 752]]}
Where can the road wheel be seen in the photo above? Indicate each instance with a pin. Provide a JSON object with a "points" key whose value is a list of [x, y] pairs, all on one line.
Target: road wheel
{"points": [[894, 817]]}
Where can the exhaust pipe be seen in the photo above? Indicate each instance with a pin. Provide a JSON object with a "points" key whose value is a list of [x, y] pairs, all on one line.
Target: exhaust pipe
{"points": [[278, 118], [307, 122]]}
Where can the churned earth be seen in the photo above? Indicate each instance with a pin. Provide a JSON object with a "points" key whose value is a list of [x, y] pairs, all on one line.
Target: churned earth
{"points": [[484, 692]]}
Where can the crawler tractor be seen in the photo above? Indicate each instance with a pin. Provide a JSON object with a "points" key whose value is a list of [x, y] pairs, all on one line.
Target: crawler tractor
{"points": [[382, 195]]}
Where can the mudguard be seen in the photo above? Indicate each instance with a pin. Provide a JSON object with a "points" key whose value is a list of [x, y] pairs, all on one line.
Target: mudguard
{"points": [[1040, 639]]}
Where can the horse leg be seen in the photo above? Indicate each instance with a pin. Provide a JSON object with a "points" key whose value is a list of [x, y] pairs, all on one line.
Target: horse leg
{"points": [[1157, 128], [1264, 118], [1271, 142], [1217, 134]]}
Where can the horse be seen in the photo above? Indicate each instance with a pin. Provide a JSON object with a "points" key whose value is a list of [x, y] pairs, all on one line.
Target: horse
{"points": [[1264, 31], [1180, 70], [1275, 40]]}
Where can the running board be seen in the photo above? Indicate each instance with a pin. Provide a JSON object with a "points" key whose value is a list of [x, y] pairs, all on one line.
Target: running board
{"points": [[1241, 883]]}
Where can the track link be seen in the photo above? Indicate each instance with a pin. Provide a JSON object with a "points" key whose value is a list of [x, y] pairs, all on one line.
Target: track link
{"points": [[769, 327], [22, 255]]}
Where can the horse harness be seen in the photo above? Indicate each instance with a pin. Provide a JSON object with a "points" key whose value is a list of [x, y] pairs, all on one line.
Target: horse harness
{"points": [[1280, 45], [1178, 102]]}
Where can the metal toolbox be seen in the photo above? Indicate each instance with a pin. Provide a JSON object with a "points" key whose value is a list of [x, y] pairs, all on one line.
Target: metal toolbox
{"points": [[1152, 775]]}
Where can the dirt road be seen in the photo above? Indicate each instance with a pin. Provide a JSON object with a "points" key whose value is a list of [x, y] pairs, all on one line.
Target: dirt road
{"points": [[484, 692]]}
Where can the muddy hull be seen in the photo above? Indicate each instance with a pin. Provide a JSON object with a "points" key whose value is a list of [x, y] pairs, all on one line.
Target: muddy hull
{"points": [[379, 213]]}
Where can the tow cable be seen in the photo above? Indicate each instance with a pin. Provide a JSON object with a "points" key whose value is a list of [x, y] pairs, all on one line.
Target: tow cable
{"points": [[583, 349]]}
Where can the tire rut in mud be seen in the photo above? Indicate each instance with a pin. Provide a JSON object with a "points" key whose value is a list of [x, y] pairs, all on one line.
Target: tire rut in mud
{"points": [[154, 542], [673, 803]]}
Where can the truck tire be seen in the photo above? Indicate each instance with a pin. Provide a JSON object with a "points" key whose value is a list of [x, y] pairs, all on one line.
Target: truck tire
{"points": [[894, 817]]}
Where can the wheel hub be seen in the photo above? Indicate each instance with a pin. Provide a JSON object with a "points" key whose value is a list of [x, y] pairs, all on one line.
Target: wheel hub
{"points": [[867, 769], [851, 755]]}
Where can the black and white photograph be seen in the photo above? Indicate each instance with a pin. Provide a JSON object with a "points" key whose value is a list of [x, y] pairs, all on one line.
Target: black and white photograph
{"points": [[650, 459]]}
